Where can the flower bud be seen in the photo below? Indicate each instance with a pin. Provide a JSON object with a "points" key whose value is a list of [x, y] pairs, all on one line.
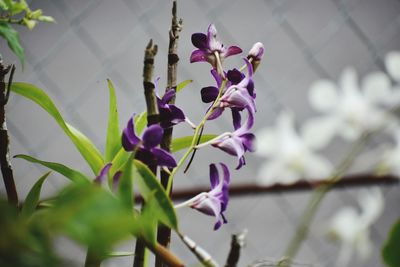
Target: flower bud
{"points": [[255, 54]]}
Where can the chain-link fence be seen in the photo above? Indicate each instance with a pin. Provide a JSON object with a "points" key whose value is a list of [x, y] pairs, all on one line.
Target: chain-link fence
{"points": [[98, 39]]}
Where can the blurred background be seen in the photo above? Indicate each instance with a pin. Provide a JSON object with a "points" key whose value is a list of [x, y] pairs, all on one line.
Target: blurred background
{"points": [[304, 40]]}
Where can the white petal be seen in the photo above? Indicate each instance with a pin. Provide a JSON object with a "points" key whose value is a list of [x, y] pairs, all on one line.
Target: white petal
{"points": [[266, 142], [323, 95], [317, 167], [364, 245], [392, 62], [376, 87], [372, 204], [350, 132], [276, 172], [349, 82], [318, 132]]}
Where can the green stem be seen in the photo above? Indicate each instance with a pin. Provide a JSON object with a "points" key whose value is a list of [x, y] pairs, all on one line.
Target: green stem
{"points": [[195, 136], [316, 199]]}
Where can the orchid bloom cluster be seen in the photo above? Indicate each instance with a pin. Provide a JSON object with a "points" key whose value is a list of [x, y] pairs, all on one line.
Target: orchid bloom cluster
{"points": [[234, 90], [349, 109]]}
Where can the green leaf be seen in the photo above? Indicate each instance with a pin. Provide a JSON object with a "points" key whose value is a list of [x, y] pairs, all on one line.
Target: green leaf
{"points": [[18, 7], [390, 251], [12, 38], [120, 254], [150, 188], [140, 122], [119, 161], [87, 149], [113, 143], [73, 175], [125, 188], [32, 199], [3, 5], [184, 142], [90, 215], [182, 85]]}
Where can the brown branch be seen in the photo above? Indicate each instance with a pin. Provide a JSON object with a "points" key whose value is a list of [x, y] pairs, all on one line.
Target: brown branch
{"points": [[356, 180], [163, 232], [5, 162], [152, 118]]}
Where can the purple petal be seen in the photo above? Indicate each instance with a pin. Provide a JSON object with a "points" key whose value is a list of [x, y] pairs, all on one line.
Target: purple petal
{"points": [[209, 94], [152, 136], [198, 56], [237, 97], [232, 50], [217, 225], [216, 113], [231, 145], [225, 191], [214, 177], [211, 34], [250, 88], [170, 116], [217, 77], [242, 162], [163, 158], [237, 118], [129, 138], [199, 40], [103, 174], [235, 76], [248, 141], [115, 180], [249, 67], [168, 96]]}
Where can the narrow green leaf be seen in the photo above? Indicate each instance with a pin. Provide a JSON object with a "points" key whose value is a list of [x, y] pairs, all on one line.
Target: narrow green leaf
{"points": [[120, 254], [182, 85], [150, 187], [140, 122], [184, 142], [32, 199], [12, 38], [87, 149], [390, 251], [119, 161], [113, 143], [125, 188], [73, 175]]}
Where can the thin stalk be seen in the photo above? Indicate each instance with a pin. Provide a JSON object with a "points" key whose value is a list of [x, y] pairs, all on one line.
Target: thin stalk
{"points": [[5, 163], [163, 232], [316, 199], [195, 136]]}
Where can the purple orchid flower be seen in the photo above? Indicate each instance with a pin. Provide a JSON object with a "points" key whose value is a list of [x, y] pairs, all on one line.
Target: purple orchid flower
{"points": [[240, 92], [238, 142], [240, 95], [214, 202], [146, 148], [104, 173], [209, 48], [170, 114]]}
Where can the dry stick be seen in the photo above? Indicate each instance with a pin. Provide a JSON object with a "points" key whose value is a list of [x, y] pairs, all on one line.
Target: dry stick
{"points": [[152, 118], [163, 232], [5, 163], [237, 242]]}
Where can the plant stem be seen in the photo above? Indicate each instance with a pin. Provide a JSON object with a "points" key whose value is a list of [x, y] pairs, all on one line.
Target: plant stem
{"points": [[152, 118], [93, 259], [316, 199], [163, 232], [195, 136], [5, 162]]}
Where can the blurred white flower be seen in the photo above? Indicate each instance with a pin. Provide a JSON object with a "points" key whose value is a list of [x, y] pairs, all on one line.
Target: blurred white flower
{"points": [[289, 157], [392, 62], [390, 161], [350, 110], [352, 227]]}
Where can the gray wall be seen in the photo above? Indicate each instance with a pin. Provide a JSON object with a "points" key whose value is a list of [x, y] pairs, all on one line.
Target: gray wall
{"points": [[305, 40]]}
